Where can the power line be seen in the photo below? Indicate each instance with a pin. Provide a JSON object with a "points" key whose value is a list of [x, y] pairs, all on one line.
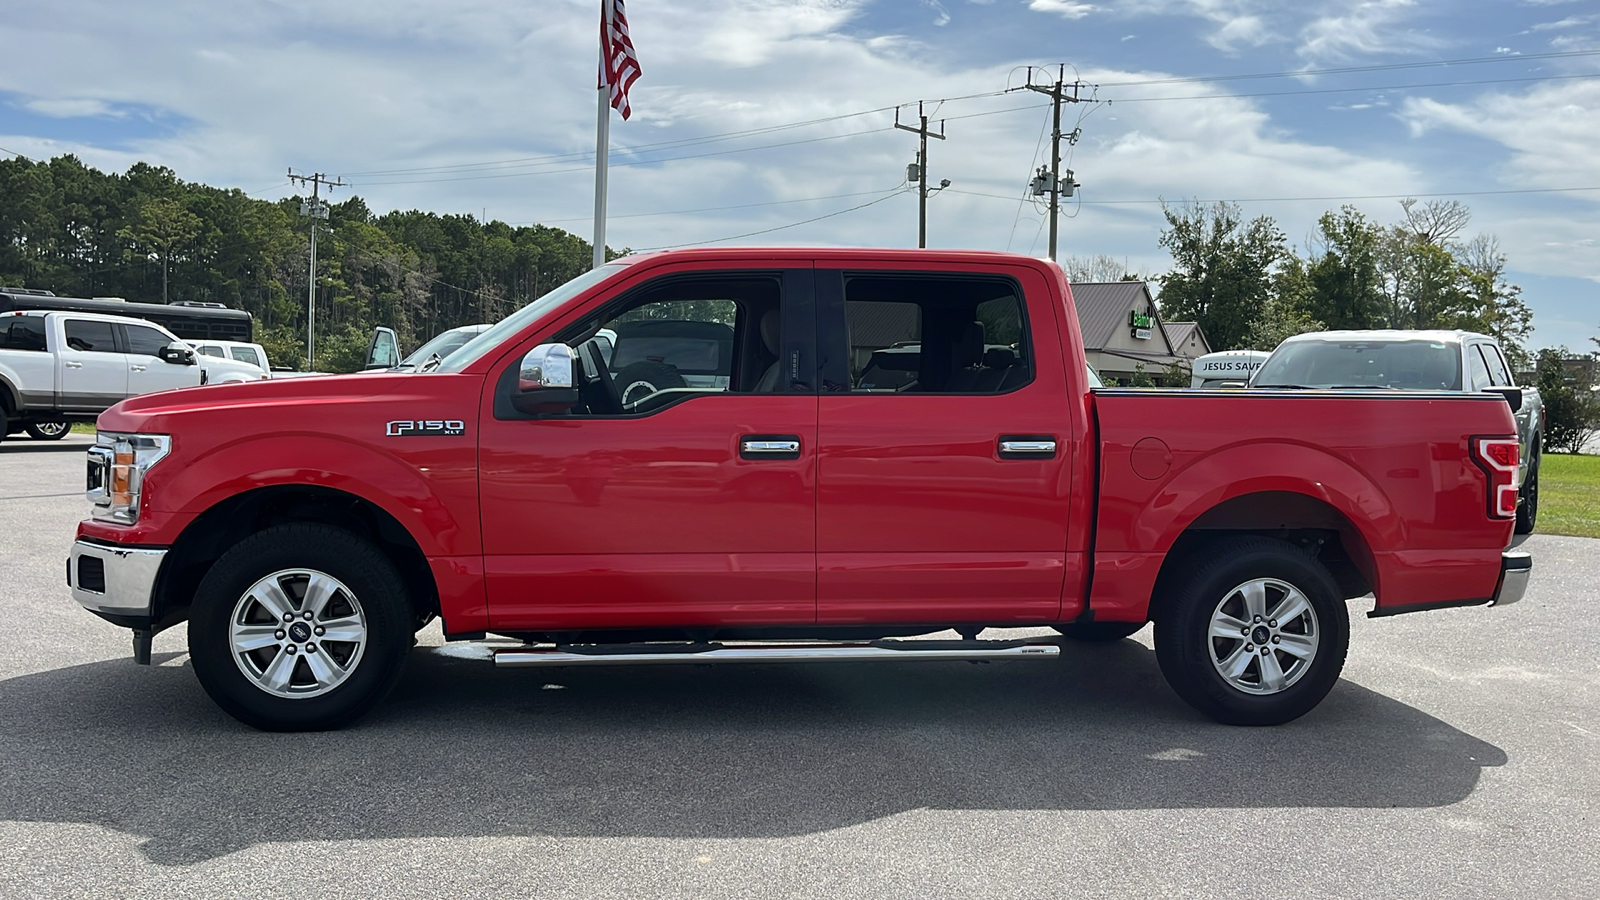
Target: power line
{"points": [[1307, 199], [679, 212], [680, 142], [894, 193], [1346, 70], [636, 162], [1350, 90]]}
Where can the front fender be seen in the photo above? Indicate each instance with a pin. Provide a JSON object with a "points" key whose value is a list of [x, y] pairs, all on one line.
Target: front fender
{"points": [[428, 494]]}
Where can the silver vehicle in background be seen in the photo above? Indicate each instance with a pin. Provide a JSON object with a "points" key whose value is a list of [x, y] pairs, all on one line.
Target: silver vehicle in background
{"points": [[1416, 361]]}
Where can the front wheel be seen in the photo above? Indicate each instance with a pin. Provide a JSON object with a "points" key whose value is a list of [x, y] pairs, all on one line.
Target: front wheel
{"points": [[1528, 505], [47, 431], [300, 628], [1256, 635]]}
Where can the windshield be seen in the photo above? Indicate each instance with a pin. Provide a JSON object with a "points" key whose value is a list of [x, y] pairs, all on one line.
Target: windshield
{"points": [[474, 349], [443, 344], [1419, 365]]}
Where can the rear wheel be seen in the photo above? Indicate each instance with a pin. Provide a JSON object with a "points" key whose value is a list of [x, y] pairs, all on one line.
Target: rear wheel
{"points": [[1098, 631], [47, 431], [1528, 505], [1257, 635], [300, 628]]}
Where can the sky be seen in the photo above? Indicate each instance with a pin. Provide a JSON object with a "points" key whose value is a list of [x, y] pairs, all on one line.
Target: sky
{"points": [[772, 121]]}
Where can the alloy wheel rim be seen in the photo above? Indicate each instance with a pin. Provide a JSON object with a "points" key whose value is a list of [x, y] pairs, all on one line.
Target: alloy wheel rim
{"points": [[51, 429], [1263, 636], [297, 633]]}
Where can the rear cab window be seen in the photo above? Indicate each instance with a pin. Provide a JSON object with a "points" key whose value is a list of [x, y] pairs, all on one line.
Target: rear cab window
{"points": [[22, 333], [935, 334]]}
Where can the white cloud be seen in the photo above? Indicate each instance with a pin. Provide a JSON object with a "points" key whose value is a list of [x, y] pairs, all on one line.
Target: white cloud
{"points": [[942, 16], [70, 108], [1363, 28], [1065, 8], [1568, 22]]}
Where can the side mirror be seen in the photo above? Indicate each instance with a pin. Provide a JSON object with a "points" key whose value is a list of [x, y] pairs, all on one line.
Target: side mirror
{"points": [[1513, 396], [384, 351], [177, 354], [544, 381]]}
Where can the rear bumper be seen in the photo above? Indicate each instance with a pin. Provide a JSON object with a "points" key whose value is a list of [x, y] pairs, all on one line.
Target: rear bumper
{"points": [[115, 583], [1516, 566]]}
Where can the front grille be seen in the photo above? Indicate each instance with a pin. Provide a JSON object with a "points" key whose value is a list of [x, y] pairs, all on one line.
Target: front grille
{"points": [[92, 574]]}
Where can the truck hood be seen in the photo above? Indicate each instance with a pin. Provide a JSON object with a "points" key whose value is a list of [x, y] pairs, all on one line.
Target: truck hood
{"points": [[277, 400]]}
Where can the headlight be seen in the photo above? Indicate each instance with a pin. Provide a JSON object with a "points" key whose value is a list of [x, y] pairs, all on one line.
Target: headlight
{"points": [[117, 467]]}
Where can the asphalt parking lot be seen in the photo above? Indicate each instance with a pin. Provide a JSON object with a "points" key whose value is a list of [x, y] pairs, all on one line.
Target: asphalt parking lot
{"points": [[1457, 758]]}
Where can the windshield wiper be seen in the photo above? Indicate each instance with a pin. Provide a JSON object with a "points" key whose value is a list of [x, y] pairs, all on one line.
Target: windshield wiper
{"points": [[1292, 387], [432, 363]]}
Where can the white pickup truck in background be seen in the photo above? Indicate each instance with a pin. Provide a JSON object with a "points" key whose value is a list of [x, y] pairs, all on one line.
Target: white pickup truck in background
{"points": [[1400, 360], [61, 367]]}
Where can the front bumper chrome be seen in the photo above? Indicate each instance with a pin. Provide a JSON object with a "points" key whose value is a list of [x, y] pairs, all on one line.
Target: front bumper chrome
{"points": [[114, 581], [1515, 568]]}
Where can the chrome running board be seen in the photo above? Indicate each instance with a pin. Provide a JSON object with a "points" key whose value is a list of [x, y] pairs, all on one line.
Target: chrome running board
{"points": [[697, 654]]}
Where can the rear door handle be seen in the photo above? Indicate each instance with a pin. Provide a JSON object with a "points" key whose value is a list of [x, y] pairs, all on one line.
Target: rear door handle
{"points": [[73, 365], [1027, 446], [136, 368], [769, 446]]}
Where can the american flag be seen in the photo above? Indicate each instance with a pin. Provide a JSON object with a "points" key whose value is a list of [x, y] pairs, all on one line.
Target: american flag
{"points": [[619, 68]]}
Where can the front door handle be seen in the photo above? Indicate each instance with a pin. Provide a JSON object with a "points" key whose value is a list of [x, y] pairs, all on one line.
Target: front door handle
{"points": [[136, 368], [74, 365], [1027, 446], [769, 446]]}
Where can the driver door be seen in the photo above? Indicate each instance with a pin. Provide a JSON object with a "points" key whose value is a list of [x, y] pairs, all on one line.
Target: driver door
{"points": [[692, 505]]}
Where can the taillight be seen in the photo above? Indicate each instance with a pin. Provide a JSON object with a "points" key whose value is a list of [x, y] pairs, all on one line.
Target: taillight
{"points": [[1498, 458]]}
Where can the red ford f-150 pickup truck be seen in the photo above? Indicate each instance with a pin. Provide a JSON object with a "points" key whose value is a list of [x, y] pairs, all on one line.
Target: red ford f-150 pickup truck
{"points": [[793, 511]]}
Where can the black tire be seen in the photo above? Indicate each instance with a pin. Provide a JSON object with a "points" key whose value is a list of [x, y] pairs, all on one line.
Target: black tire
{"points": [[1528, 507], [48, 431], [1217, 587], [641, 379], [373, 592], [1098, 631]]}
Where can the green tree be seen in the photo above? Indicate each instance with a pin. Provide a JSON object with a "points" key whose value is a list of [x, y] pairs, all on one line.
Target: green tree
{"points": [[1285, 314], [163, 227], [1345, 285], [1571, 410], [1223, 270]]}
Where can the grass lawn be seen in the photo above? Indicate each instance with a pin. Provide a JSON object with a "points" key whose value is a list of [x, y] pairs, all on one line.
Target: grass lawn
{"points": [[1569, 495], [83, 428]]}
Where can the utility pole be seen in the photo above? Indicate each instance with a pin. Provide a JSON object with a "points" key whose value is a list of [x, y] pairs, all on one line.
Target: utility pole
{"points": [[918, 171], [1052, 182], [315, 209]]}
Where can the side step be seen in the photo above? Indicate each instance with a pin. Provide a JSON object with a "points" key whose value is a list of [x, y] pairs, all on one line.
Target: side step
{"points": [[696, 654]]}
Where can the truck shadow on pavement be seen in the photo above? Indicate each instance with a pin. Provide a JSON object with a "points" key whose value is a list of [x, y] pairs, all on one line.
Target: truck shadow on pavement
{"points": [[463, 750]]}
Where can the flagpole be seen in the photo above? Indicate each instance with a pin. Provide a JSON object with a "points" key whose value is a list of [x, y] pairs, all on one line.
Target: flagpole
{"points": [[602, 140]]}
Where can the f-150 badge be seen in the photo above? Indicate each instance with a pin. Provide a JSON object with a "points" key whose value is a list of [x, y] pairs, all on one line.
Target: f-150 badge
{"points": [[426, 427]]}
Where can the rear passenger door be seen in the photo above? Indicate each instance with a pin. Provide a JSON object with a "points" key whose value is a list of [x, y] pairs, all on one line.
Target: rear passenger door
{"points": [[93, 370], [944, 454]]}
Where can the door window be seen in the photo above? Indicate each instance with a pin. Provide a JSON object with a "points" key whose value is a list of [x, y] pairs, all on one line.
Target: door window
{"points": [[146, 341], [209, 350], [935, 335], [248, 355], [681, 339], [90, 336]]}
